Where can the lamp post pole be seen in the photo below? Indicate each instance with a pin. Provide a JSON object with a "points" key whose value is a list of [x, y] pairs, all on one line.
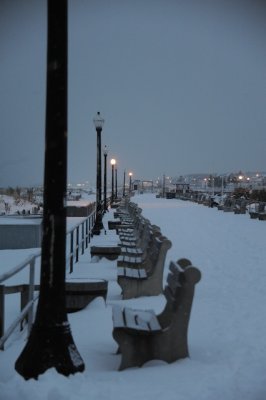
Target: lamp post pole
{"points": [[124, 184], [116, 182], [50, 344], [113, 162], [98, 225], [105, 152], [130, 178]]}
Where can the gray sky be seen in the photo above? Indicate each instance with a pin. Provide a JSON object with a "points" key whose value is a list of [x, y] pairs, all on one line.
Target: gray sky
{"points": [[181, 85]]}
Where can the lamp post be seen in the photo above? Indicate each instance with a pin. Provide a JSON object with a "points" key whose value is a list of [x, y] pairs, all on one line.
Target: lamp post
{"points": [[105, 152], [98, 225], [124, 184], [113, 162], [50, 344], [115, 182], [130, 179]]}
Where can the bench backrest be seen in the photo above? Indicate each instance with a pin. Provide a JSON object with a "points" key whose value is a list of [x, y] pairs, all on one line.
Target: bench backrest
{"points": [[179, 292], [156, 253]]}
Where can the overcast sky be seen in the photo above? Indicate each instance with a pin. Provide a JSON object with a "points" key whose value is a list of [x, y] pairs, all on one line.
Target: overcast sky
{"points": [[181, 85]]}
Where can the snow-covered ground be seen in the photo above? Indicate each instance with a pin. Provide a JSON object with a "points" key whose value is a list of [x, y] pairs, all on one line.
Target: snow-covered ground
{"points": [[9, 205], [227, 327]]}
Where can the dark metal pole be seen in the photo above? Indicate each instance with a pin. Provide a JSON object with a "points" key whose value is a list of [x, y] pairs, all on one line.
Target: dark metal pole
{"points": [[105, 178], [124, 184], [50, 344], [98, 223], [112, 183], [116, 183], [130, 184]]}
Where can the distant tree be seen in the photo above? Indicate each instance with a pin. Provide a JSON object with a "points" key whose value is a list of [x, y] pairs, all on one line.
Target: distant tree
{"points": [[10, 191], [17, 193], [241, 192], [30, 193], [258, 195]]}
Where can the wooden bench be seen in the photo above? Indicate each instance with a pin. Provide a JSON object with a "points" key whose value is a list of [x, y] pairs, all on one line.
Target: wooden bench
{"points": [[126, 219], [109, 252], [132, 256], [113, 252], [145, 278], [79, 292], [143, 336]]}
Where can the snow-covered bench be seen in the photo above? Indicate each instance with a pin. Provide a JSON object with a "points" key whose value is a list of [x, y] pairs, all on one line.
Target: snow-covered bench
{"points": [[109, 252], [132, 255], [142, 335], [144, 277], [126, 220]]}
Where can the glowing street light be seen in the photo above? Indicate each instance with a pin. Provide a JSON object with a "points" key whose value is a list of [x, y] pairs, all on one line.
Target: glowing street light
{"points": [[113, 163], [130, 174]]}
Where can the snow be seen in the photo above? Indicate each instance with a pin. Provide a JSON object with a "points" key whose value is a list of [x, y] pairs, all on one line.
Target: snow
{"points": [[227, 325]]}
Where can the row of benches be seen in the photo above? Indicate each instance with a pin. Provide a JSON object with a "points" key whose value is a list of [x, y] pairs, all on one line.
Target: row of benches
{"points": [[142, 335]]}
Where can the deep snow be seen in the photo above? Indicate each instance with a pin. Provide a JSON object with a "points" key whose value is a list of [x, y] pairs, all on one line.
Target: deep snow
{"points": [[227, 325]]}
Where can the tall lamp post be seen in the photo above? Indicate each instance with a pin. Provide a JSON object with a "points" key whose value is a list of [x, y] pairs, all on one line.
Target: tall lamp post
{"points": [[50, 344], [113, 162], [98, 225], [105, 152], [116, 182], [124, 184], [130, 181]]}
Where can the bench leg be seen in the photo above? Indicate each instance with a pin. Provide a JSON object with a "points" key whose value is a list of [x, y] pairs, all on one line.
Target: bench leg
{"points": [[135, 349]]}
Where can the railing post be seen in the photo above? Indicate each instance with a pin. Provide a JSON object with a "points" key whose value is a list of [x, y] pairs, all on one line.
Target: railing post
{"points": [[71, 260], [82, 238], [89, 228], [31, 294], [2, 312], [77, 244], [24, 298], [87, 233]]}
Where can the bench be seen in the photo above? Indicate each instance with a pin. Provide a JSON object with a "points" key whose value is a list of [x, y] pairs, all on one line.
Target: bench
{"points": [[109, 252], [127, 218], [113, 252], [131, 256], [145, 278], [143, 336], [133, 235], [79, 292]]}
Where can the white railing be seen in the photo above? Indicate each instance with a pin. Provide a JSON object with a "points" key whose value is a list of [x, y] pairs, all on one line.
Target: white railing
{"points": [[78, 239]]}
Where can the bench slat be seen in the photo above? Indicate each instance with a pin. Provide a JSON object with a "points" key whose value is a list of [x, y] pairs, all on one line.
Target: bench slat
{"points": [[131, 272], [118, 318], [120, 271], [132, 321], [142, 273], [141, 320]]}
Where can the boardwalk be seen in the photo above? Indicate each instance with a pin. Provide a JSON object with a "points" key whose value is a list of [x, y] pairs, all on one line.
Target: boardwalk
{"points": [[227, 326]]}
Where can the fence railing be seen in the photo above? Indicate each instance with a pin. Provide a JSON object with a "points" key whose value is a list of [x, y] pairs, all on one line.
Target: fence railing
{"points": [[77, 240]]}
